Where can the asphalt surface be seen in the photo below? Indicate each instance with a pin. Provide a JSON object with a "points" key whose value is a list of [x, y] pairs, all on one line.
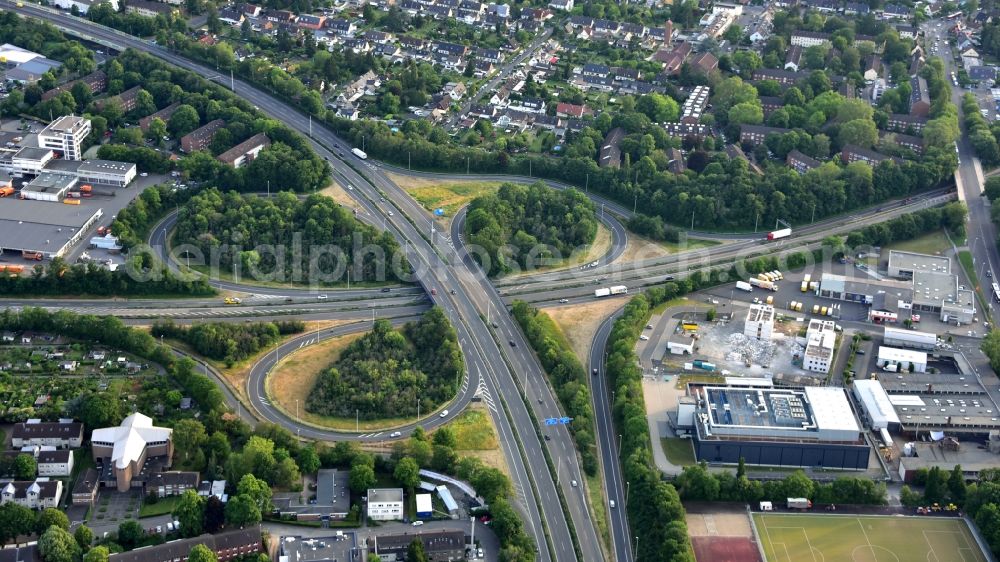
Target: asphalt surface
{"points": [[488, 360], [981, 232], [608, 443]]}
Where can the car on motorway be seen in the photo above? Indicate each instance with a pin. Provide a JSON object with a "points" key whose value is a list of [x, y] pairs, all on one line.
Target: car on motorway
{"points": [[395, 434], [547, 438], [444, 414], [611, 503], [595, 371], [512, 343], [390, 213], [417, 523], [574, 483], [322, 297], [644, 337], [563, 301], [386, 289]]}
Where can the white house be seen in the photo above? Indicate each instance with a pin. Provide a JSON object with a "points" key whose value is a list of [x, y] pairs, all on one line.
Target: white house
{"points": [[893, 358], [385, 504], [54, 463], [40, 494], [35, 432]]}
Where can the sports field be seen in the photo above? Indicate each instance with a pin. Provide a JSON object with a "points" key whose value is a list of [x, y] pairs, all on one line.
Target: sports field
{"points": [[836, 538]]}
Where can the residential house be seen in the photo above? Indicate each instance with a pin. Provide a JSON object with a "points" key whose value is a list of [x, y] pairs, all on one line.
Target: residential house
{"points": [[674, 58], [126, 99], [854, 153], [693, 131], [96, 82], [251, 10], [227, 545], [793, 58], [809, 38], [704, 62], [54, 463], [916, 144], [85, 489], [438, 545], [279, 16], [896, 12], [163, 115], [308, 21], [366, 85], [38, 494], [231, 16], [454, 90], [570, 110], [563, 5], [611, 154], [770, 104], [200, 138], [873, 68], [36, 433], [734, 152], [920, 98], [490, 55], [172, 483], [148, 9], [450, 49], [596, 70], [800, 162], [783, 77], [246, 151], [907, 31], [753, 135], [983, 75], [903, 123], [856, 9], [341, 26]]}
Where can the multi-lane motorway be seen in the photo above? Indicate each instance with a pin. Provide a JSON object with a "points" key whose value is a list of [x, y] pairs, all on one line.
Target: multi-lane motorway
{"points": [[498, 358], [465, 297]]}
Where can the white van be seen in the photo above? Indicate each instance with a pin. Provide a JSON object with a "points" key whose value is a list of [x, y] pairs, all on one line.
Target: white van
{"points": [[611, 503]]}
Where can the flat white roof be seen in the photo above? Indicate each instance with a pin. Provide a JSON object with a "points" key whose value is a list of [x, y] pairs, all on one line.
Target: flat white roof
{"points": [[831, 409], [906, 400], [876, 402], [901, 355], [424, 503], [925, 338]]}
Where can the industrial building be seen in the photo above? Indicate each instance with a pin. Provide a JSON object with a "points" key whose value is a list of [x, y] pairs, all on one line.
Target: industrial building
{"points": [[24, 66], [904, 264], [876, 407], [39, 226], [438, 545], [909, 338], [48, 186], [680, 344], [795, 426], [929, 290], [821, 338], [106, 172], [902, 360], [760, 322], [66, 135], [953, 403], [28, 161]]}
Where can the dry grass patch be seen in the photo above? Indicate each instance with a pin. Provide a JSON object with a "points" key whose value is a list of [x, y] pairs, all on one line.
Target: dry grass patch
{"points": [[579, 322], [450, 195], [640, 248], [336, 192]]}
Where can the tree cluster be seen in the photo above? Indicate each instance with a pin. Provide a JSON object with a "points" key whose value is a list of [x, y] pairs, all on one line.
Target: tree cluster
{"points": [[567, 375], [225, 341], [528, 226], [45, 39], [950, 217], [696, 483], [387, 372], [17, 520], [283, 236], [981, 134]]}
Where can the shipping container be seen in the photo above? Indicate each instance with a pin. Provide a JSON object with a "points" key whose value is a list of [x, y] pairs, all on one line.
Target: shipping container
{"points": [[744, 286], [602, 292]]}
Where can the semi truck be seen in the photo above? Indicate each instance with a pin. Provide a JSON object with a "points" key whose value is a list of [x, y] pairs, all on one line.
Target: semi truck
{"points": [[763, 284], [607, 291], [37, 256], [744, 286], [359, 153], [779, 234], [799, 503]]}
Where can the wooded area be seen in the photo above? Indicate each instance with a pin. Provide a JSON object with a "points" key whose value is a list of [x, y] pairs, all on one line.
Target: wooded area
{"points": [[285, 238], [387, 372], [524, 227], [227, 341]]}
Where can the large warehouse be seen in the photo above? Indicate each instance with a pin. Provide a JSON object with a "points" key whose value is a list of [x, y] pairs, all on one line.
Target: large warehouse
{"points": [[37, 226], [798, 426], [909, 338]]}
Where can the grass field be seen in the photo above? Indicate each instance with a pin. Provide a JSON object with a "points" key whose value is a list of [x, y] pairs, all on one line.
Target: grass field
{"points": [[933, 243], [819, 538], [678, 451]]}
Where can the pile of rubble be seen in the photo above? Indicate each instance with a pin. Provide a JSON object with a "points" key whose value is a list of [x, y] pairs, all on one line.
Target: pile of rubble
{"points": [[749, 350]]}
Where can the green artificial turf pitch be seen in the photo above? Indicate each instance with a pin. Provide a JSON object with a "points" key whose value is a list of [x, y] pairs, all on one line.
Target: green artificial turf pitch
{"points": [[839, 538]]}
